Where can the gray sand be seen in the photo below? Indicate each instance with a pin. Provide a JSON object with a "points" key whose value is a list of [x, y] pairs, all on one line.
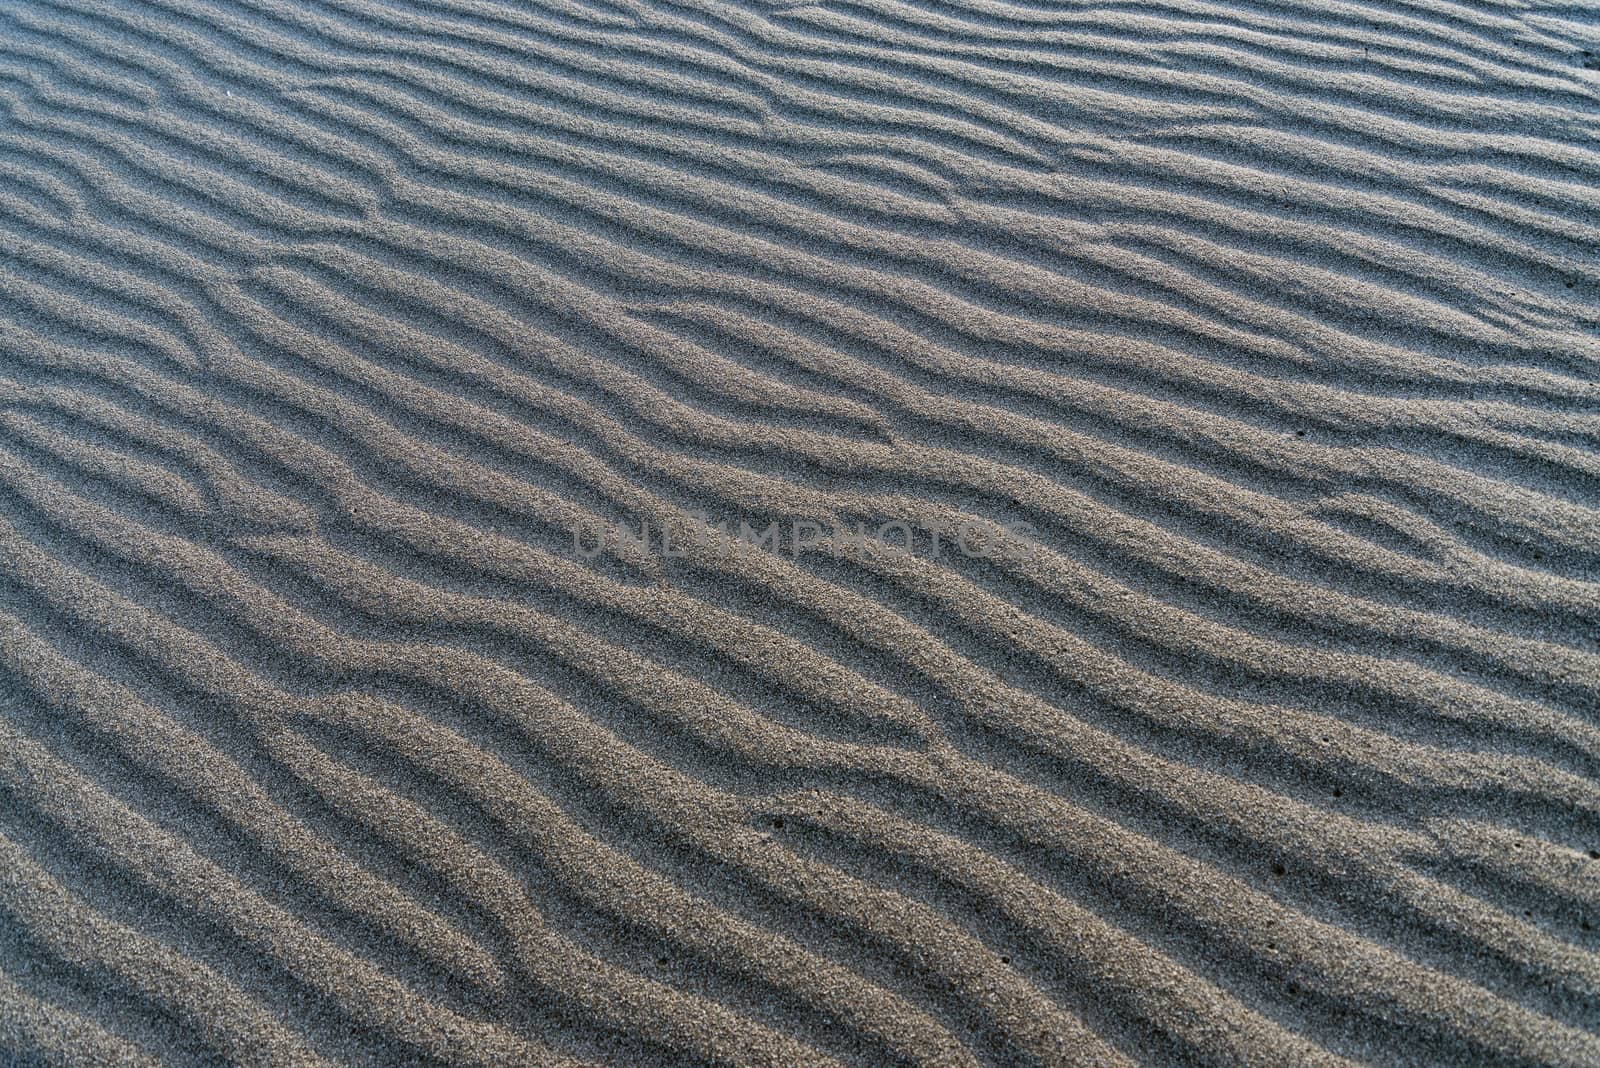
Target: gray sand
{"points": [[1239, 360]]}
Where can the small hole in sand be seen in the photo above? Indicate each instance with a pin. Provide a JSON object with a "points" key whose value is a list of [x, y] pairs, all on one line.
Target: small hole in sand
{"points": [[1279, 869], [1299, 433], [1337, 792], [1294, 990], [1005, 960], [661, 962], [1585, 925], [1528, 913], [1594, 854], [777, 821]]}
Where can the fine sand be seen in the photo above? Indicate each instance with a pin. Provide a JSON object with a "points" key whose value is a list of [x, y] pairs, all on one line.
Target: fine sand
{"points": [[1241, 358]]}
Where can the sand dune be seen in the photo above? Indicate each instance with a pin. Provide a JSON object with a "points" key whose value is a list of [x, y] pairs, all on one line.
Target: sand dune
{"points": [[882, 532]]}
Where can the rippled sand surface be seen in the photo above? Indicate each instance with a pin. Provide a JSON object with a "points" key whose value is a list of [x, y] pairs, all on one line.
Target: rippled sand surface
{"points": [[1149, 607]]}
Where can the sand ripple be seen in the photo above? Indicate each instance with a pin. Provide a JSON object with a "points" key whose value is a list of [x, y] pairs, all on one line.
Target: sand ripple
{"points": [[325, 325]]}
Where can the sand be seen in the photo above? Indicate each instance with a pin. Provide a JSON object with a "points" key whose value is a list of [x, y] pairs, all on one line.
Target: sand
{"points": [[926, 532]]}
